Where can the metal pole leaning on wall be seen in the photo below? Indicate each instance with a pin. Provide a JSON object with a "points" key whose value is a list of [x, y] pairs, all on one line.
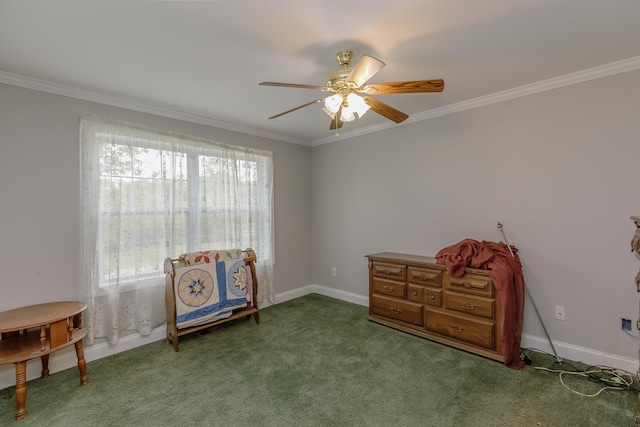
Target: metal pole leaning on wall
{"points": [[558, 359]]}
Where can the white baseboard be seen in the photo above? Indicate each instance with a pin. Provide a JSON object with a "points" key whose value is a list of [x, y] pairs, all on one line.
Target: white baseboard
{"points": [[66, 358], [322, 290], [580, 354]]}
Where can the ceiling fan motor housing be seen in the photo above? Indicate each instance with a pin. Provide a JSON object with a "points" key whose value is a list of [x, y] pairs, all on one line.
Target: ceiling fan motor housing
{"points": [[337, 79], [344, 58]]}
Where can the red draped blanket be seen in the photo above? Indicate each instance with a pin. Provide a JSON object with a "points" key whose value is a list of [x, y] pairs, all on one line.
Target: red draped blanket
{"points": [[506, 274]]}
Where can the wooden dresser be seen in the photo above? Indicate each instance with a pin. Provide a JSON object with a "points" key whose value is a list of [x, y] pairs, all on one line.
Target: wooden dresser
{"points": [[414, 294]]}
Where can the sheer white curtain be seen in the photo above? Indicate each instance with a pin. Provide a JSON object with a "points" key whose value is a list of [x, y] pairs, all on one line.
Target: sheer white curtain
{"points": [[147, 195]]}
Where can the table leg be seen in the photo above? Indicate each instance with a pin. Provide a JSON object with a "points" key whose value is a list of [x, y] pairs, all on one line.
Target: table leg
{"points": [[82, 363], [21, 390], [43, 337], [45, 365]]}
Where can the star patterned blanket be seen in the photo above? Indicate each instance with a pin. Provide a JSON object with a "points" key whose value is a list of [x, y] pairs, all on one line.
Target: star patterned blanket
{"points": [[210, 289]]}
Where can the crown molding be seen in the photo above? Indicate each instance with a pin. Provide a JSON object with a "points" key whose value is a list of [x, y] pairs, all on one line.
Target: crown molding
{"points": [[618, 67], [138, 105]]}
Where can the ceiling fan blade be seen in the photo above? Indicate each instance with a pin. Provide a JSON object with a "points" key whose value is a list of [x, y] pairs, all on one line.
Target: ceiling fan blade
{"points": [[336, 122], [385, 110], [366, 68], [297, 108], [417, 86], [299, 86]]}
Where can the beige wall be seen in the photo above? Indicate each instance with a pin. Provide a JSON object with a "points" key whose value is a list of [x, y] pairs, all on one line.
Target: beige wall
{"points": [[560, 169], [39, 194]]}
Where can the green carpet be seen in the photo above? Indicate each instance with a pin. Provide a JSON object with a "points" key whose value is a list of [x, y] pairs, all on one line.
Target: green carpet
{"points": [[313, 361]]}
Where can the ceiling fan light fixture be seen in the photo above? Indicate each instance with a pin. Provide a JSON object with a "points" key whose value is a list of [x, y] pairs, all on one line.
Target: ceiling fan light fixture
{"points": [[346, 115], [333, 103], [357, 104]]}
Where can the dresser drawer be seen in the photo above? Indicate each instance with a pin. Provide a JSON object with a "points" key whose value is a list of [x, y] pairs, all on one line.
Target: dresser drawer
{"points": [[392, 308], [389, 287], [473, 284], [433, 297], [476, 332], [425, 276], [470, 305], [414, 293], [391, 271], [425, 295]]}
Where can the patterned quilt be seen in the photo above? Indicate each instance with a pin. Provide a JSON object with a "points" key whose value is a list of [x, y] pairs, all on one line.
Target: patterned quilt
{"points": [[211, 286]]}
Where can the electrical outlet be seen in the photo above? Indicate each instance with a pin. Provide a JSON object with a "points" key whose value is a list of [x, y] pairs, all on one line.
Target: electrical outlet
{"points": [[625, 324], [559, 312], [333, 272]]}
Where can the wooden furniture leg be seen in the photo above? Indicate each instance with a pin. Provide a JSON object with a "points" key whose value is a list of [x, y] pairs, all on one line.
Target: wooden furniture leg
{"points": [[45, 365], [36, 331], [82, 363], [21, 390]]}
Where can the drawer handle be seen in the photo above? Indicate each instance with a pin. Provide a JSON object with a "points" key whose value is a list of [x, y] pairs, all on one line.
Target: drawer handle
{"points": [[423, 277], [388, 288], [395, 310], [456, 328], [468, 306], [433, 297], [415, 294], [467, 285]]}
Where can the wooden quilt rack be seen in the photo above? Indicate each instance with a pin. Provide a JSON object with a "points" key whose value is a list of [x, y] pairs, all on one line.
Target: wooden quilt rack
{"points": [[173, 332]]}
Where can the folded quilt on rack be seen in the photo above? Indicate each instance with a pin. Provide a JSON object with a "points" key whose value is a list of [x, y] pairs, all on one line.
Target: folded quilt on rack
{"points": [[205, 257], [211, 290]]}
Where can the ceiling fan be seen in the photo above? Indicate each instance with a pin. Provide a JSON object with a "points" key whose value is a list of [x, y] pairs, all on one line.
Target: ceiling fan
{"points": [[352, 96]]}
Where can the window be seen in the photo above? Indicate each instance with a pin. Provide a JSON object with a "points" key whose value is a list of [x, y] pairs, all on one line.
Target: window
{"points": [[148, 195]]}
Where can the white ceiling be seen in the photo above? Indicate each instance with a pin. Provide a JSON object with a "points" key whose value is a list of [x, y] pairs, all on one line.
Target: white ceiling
{"points": [[203, 60]]}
